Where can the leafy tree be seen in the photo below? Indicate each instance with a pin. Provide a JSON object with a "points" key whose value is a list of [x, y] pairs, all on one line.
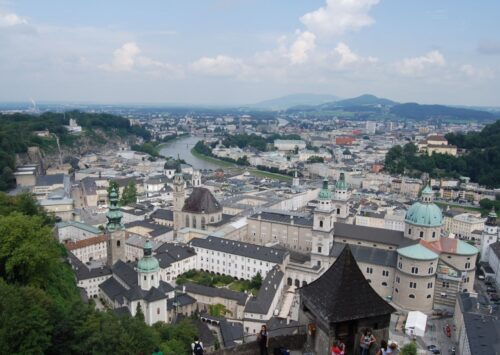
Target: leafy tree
{"points": [[256, 281], [409, 349], [315, 159], [129, 194], [217, 310]]}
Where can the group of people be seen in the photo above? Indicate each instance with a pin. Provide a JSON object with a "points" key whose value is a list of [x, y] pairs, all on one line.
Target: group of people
{"points": [[386, 347]]}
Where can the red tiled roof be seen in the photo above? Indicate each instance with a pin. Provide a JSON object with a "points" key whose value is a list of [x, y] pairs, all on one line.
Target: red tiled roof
{"points": [[85, 242]]}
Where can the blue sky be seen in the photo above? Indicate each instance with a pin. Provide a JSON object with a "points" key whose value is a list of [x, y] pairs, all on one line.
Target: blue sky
{"points": [[243, 51]]}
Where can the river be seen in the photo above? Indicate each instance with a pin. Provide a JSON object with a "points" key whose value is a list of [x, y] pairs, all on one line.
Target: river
{"points": [[182, 147]]}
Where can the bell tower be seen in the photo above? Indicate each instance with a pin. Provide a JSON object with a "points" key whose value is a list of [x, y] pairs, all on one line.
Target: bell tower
{"points": [[489, 235], [341, 197], [179, 197], [115, 231]]}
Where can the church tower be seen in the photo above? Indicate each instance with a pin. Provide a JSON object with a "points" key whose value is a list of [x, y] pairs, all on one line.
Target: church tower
{"points": [[179, 197], [148, 269], [322, 239], [424, 219], [295, 181], [115, 231], [341, 197], [196, 178], [489, 235]]}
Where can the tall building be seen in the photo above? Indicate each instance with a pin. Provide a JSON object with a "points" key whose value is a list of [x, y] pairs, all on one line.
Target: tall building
{"points": [[179, 197], [489, 235], [115, 231]]}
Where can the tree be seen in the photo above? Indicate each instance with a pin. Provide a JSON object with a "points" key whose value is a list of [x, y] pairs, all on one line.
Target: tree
{"points": [[256, 281], [217, 310], [129, 194], [409, 349]]}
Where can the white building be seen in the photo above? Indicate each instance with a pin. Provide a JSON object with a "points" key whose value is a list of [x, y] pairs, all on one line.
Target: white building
{"points": [[89, 249], [235, 258], [289, 144]]}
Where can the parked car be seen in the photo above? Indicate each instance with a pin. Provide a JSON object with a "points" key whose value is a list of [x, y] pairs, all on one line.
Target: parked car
{"points": [[491, 289], [480, 277], [494, 297]]}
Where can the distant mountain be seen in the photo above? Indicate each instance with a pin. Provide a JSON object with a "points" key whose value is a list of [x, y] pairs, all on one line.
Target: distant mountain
{"points": [[364, 100], [424, 112], [304, 99]]}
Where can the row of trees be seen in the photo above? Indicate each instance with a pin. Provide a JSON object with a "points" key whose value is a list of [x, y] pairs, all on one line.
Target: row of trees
{"points": [[40, 306], [481, 162], [254, 141]]}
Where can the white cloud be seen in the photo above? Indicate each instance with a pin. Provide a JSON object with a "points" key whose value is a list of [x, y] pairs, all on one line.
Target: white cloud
{"points": [[418, 66], [10, 20], [347, 57], [124, 58], [473, 72], [339, 16], [300, 49], [220, 65]]}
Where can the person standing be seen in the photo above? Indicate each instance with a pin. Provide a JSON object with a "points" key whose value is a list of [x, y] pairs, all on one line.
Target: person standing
{"points": [[367, 339], [197, 346], [263, 339]]}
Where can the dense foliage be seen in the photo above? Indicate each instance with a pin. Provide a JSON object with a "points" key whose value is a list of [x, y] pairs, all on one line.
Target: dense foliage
{"points": [[129, 194], [17, 133], [481, 162], [40, 306], [315, 159]]}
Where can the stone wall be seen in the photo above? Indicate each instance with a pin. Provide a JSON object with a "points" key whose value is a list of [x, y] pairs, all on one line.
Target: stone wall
{"points": [[292, 342]]}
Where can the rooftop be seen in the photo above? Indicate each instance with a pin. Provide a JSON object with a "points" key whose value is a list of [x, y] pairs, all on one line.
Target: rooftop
{"points": [[201, 200]]}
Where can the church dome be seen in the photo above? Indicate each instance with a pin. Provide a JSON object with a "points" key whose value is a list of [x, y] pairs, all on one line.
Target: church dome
{"points": [[148, 263], [325, 193], [425, 213]]}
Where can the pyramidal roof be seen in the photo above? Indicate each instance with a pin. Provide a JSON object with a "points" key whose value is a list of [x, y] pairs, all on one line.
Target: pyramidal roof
{"points": [[342, 293], [201, 200]]}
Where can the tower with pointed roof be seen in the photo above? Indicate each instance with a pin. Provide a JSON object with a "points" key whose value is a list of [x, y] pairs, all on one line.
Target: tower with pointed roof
{"points": [[341, 198], [148, 269], [489, 235], [323, 220], [340, 304], [424, 219], [179, 195], [115, 231]]}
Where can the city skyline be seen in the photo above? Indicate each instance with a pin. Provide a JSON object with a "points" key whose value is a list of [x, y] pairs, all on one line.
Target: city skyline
{"points": [[242, 52]]}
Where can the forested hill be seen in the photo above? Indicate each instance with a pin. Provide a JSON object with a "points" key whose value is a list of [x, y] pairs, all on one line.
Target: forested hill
{"points": [[425, 112], [481, 161], [17, 133]]}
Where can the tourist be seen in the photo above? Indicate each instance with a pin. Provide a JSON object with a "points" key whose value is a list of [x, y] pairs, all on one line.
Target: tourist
{"points": [[335, 349], [197, 346], [341, 346], [367, 339], [263, 340], [393, 348], [383, 348]]}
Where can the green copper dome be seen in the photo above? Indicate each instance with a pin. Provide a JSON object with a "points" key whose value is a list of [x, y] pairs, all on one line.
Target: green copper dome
{"points": [[341, 184], [148, 263], [325, 193], [425, 213]]}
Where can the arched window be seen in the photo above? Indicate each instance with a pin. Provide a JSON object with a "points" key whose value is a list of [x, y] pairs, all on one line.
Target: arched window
{"points": [[429, 296], [193, 221], [304, 283], [187, 221], [203, 222], [411, 295], [421, 234], [212, 219], [338, 210], [118, 243], [321, 224], [384, 284], [433, 234], [409, 231], [297, 283], [289, 281]]}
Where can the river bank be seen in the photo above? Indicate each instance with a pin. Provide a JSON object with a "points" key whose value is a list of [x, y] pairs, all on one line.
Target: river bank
{"points": [[251, 170]]}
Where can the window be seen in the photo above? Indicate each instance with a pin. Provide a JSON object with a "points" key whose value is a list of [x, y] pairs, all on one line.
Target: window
{"points": [[338, 210], [446, 284], [397, 291], [369, 281], [467, 265], [152, 277], [413, 284], [118, 243], [369, 270], [431, 270], [398, 279], [429, 284], [158, 310], [429, 296], [319, 249], [414, 270], [384, 284], [433, 236], [400, 265], [321, 224], [421, 234], [203, 223], [385, 273], [411, 295], [145, 277], [409, 231], [187, 221]]}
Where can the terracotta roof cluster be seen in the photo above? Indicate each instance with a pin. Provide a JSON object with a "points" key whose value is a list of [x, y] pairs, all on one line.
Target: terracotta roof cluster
{"points": [[85, 242]]}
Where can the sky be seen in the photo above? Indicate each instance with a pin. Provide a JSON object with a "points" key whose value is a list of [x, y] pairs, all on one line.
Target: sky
{"points": [[235, 52]]}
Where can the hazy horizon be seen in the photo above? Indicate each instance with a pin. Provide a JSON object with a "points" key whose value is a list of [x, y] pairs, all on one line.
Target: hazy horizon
{"points": [[241, 52]]}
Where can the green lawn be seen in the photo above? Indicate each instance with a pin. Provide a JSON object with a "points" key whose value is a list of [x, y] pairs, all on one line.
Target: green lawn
{"points": [[267, 174], [221, 163], [211, 280]]}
